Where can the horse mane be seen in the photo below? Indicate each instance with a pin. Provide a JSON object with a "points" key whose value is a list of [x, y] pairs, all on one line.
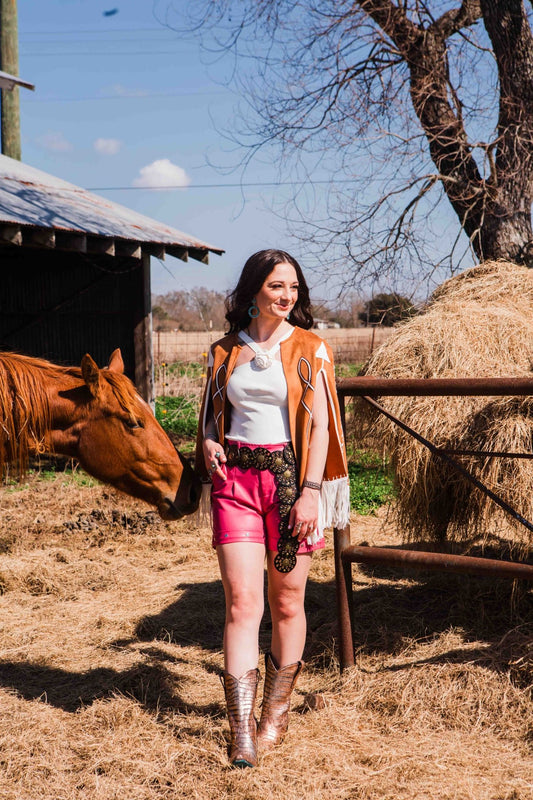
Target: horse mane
{"points": [[125, 392], [25, 414]]}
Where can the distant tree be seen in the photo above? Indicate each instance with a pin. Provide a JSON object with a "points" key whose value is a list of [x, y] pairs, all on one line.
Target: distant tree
{"points": [[159, 318], [196, 310], [404, 103], [321, 311], [387, 310], [210, 307], [348, 309]]}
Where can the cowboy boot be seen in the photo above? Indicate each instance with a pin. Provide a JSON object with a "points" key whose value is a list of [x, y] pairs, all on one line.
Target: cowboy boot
{"points": [[274, 721], [240, 700]]}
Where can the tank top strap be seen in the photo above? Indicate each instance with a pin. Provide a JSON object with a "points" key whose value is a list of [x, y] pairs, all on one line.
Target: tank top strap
{"points": [[250, 342], [257, 347]]}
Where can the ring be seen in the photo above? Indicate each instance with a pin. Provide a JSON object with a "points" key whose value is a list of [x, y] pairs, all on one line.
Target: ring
{"points": [[217, 455], [299, 524], [213, 465]]}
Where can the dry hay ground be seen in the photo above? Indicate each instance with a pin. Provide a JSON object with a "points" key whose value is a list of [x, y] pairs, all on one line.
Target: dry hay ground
{"points": [[110, 663], [478, 324]]}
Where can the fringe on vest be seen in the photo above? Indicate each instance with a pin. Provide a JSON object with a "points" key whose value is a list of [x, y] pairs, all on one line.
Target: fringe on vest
{"points": [[334, 509], [202, 517]]}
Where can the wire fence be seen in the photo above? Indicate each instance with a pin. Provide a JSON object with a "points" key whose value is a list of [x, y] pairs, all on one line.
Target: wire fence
{"points": [[349, 345]]}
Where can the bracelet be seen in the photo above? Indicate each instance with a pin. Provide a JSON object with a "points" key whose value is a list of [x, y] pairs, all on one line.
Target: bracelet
{"points": [[211, 437], [311, 485]]}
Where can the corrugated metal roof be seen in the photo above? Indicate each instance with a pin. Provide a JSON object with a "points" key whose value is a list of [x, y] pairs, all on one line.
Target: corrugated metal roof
{"points": [[35, 199], [8, 81]]}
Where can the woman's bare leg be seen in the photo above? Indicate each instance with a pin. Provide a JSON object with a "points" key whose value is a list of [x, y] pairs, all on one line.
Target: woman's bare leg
{"points": [[242, 570], [286, 592]]}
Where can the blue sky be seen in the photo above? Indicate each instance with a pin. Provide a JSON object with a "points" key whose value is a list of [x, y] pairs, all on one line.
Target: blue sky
{"points": [[122, 101]]}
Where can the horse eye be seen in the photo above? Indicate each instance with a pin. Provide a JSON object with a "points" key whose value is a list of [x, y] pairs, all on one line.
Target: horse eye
{"points": [[134, 423]]}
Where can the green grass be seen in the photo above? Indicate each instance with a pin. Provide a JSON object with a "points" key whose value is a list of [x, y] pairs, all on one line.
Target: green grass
{"points": [[178, 414], [347, 370], [371, 482], [178, 407], [181, 369], [70, 472]]}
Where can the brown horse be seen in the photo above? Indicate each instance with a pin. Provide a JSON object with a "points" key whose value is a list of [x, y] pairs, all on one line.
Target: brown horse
{"points": [[96, 416]]}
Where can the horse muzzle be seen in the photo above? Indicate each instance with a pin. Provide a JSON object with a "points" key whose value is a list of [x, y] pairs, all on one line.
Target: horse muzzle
{"points": [[172, 509]]}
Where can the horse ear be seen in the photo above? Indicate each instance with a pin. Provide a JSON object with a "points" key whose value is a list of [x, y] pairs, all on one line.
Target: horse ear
{"points": [[116, 364], [91, 374]]}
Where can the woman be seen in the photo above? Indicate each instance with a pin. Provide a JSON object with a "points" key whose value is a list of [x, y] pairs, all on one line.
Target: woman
{"points": [[271, 442]]}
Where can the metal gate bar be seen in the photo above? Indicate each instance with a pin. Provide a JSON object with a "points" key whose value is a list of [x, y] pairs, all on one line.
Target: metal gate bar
{"points": [[445, 562]]}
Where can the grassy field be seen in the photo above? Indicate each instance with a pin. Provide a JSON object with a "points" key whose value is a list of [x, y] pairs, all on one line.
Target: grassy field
{"points": [[110, 661]]}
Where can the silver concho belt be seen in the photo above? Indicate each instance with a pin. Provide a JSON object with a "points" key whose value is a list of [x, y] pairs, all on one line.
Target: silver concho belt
{"points": [[282, 464]]}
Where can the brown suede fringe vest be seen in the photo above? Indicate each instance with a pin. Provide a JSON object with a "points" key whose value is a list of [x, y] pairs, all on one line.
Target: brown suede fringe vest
{"points": [[304, 356]]}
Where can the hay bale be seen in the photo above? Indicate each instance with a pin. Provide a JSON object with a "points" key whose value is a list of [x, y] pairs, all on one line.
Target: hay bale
{"points": [[478, 324]]}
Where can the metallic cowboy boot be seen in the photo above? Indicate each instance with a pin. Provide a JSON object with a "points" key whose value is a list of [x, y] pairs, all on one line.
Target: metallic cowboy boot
{"points": [[274, 721], [240, 700]]}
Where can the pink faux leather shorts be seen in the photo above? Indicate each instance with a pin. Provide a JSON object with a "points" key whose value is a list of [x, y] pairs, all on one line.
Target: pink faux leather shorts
{"points": [[245, 507]]}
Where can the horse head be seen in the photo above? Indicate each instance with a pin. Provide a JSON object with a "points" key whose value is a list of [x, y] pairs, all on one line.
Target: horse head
{"points": [[118, 440]]}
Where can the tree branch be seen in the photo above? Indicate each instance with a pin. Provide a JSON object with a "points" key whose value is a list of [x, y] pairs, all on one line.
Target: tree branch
{"points": [[426, 55], [456, 19]]}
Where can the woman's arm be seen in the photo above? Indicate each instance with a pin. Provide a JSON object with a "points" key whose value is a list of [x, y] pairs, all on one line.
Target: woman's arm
{"points": [[304, 513], [207, 444], [212, 449]]}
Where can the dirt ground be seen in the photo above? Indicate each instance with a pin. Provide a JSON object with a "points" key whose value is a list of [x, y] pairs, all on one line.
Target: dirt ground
{"points": [[110, 660]]}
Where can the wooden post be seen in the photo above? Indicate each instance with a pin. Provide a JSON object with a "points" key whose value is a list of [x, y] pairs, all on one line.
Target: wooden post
{"points": [[9, 62], [142, 338]]}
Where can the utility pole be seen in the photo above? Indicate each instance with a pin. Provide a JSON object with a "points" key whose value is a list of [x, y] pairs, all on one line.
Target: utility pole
{"points": [[9, 62]]}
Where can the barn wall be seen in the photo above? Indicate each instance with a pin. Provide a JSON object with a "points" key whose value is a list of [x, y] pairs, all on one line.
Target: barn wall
{"points": [[60, 305]]}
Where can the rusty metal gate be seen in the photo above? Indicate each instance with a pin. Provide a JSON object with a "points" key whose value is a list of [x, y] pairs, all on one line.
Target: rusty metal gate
{"points": [[346, 554]]}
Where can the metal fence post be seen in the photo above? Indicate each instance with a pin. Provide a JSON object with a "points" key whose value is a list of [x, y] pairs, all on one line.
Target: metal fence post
{"points": [[343, 587], [343, 580]]}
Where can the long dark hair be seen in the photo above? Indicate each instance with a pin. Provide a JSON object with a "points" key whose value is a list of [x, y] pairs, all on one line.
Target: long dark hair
{"points": [[253, 275]]}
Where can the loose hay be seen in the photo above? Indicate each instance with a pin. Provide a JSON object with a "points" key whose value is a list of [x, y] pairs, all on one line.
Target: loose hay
{"points": [[478, 324], [109, 689]]}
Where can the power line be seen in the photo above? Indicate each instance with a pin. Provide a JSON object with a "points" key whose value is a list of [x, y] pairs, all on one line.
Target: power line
{"points": [[251, 184], [99, 31], [141, 96], [35, 54], [89, 41], [45, 42]]}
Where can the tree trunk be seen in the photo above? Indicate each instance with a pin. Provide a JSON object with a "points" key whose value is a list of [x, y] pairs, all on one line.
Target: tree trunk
{"points": [[507, 231], [495, 212]]}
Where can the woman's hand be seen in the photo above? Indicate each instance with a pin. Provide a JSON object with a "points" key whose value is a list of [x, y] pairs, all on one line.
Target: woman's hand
{"points": [[214, 458], [303, 519]]}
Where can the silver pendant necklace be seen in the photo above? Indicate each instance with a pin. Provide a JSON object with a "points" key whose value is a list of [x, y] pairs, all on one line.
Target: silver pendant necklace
{"points": [[263, 358]]}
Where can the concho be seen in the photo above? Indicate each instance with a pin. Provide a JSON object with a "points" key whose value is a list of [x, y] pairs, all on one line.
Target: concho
{"points": [[282, 464]]}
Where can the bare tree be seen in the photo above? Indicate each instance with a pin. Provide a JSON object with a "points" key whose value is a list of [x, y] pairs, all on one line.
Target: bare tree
{"points": [[408, 106], [196, 310]]}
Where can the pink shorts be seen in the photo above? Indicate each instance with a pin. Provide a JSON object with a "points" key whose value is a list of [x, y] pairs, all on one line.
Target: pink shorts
{"points": [[245, 507]]}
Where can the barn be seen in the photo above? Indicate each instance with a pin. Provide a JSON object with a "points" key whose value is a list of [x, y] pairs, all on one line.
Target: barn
{"points": [[75, 272]]}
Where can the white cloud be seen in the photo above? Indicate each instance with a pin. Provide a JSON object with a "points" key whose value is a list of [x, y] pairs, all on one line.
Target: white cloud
{"points": [[54, 140], [107, 147], [161, 173]]}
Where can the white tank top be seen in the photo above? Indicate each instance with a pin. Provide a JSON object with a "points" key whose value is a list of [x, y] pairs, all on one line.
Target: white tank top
{"points": [[258, 397]]}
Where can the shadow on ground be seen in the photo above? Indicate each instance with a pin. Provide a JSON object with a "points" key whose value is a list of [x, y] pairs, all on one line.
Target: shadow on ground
{"points": [[153, 686], [395, 608]]}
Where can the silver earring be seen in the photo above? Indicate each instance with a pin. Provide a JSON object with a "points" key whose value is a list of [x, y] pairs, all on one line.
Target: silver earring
{"points": [[253, 311], [288, 315]]}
